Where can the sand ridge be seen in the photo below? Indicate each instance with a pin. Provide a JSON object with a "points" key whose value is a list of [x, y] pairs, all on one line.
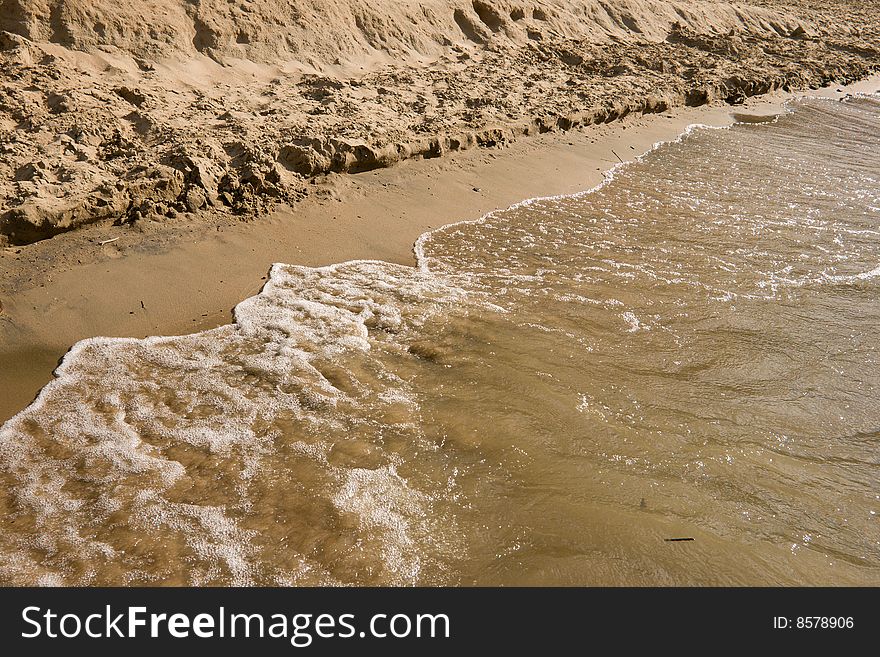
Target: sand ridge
{"points": [[160, 112]]}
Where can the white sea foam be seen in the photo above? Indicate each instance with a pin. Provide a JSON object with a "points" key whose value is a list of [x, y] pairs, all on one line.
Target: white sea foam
{"points": [[125, 408], [279, 449]]}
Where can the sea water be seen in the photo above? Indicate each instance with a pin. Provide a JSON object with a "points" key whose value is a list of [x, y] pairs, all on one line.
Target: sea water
{"points": [[689, 351]]}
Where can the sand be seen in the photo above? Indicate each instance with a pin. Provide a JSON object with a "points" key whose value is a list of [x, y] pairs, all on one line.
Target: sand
{"points": [[155, 160], [148, 114], [193, 282]]}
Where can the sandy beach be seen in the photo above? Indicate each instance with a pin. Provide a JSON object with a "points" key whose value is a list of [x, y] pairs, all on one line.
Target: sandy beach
{"points": [[155, 165], [220, 364], [131, 287]]}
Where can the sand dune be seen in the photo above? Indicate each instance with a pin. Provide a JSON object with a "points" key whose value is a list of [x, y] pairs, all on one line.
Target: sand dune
{"points": [[320, 31], [164, 111]]}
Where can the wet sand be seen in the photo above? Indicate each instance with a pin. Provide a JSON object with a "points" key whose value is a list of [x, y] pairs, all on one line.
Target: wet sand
{"points": [[376, 215]]}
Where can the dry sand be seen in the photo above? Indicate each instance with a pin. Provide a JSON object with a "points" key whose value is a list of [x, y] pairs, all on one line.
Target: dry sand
{"points": [[141, 113], [176, 150]]}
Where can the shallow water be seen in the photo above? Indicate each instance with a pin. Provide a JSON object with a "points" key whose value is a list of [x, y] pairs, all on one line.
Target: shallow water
{"points": [[689, 351]]}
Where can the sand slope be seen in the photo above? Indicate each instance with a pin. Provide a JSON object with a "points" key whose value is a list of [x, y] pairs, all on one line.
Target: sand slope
{"points": [[320, 31], [163, 111]]}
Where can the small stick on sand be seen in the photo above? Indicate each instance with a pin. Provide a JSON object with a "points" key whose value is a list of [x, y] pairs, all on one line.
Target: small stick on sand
{"points": [[107, 241], [617, 156]]}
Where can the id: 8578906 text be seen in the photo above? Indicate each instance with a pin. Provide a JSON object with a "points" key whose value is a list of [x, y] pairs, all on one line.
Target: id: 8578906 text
{"points": [[813, 623]]}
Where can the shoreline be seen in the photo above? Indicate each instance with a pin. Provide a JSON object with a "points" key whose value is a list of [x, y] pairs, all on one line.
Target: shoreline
{"points": [[191, 284]]}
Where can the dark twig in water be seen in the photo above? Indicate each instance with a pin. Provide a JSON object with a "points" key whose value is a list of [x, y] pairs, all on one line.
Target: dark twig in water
{"points": [[677, 540]]}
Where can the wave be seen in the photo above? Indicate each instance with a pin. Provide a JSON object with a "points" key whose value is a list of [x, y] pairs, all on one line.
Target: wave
{"points": [[294, 446]]}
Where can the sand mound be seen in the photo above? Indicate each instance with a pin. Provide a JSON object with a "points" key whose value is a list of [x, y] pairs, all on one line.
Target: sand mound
{"points": [[322, 31], [143, 113]]}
